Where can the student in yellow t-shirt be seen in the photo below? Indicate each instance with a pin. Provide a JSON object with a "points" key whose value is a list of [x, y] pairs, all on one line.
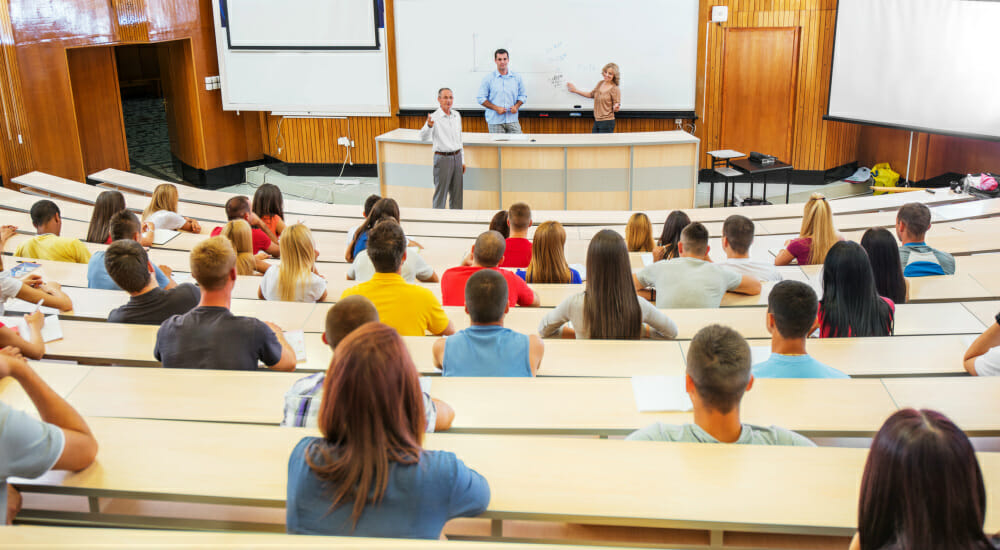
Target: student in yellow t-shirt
{"points": [[410, 309], [48, 245]]}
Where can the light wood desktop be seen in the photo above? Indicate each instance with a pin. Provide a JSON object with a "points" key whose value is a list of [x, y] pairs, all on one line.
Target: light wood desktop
{"points": [[775, 489], [971, 402], [61, 377], [984, 311]]}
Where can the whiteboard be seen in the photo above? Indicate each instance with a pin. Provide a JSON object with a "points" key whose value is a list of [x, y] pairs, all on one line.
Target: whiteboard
{"points": [[929, 65], [450, 43], [318, 24], [308, 82]]}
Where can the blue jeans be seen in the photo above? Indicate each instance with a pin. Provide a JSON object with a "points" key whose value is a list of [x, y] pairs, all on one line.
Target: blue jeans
{"points": [[505, 128], [603, 127]]}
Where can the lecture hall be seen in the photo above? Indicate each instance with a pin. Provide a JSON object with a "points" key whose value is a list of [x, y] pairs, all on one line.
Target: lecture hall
{"points": [[457, 274]]}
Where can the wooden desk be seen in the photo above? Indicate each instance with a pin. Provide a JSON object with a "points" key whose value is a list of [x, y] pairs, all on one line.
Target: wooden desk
{"points": [[575, 406], [551, 171], [61, 377], [971, 402], [984, 311], [774, 489]]}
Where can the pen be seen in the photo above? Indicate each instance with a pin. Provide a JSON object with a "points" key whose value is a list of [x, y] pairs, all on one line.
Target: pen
{"points": [[38, 306]]}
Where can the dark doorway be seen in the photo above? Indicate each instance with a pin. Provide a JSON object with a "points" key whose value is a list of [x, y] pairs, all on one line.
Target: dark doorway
{"points": [[144, 111]]}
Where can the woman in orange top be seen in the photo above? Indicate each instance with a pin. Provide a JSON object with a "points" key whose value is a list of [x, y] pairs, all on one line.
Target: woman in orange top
{"points": [[269, 206], [607, 99]]}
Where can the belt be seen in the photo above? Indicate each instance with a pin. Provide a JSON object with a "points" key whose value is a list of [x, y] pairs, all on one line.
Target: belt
{"points": [[447, 154]]}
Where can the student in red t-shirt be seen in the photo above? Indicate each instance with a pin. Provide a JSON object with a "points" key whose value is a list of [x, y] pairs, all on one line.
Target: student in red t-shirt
{"points": [[518, 252], [486, 254], [238, 208]]}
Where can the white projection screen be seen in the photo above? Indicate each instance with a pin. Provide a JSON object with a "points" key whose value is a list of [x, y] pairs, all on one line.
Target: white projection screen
{"points": [[927, 65], [551, 42]]}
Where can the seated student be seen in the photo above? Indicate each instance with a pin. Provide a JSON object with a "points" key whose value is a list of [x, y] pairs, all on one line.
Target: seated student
{"points": [[487, 253], [238, 233], [718, 374], [518, 248], [608, 309], [671, 235], [737, 236], [365, 212], [30, 288], [368, 475], [359, 240], [922, 487], [124, 225], [238, 208], [269, 206], [129, 267], [548, 257], [883, 254], [162, 211], [410, 309], [692, 280], [500, 223], [108, 204], [851, 305], [31, 345], [295, 278], [638, 233], [486, 348], [983, 356], [912, 223], [816, 235], [210, 336], [791, 318], [414, 267], [302, 401], [59, 439], [47, 244]]}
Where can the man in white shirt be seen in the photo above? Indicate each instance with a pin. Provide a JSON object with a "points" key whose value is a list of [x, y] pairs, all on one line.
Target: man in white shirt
{"points": [[444, 129], [737, 236]]}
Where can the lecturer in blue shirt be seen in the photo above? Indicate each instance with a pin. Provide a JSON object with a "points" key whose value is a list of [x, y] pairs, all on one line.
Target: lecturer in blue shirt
{"points": [[502, 93]]}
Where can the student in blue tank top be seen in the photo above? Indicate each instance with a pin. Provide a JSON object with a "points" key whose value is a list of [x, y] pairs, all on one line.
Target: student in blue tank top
{"points": [[486, 348], [372, 424], [791, 317]]}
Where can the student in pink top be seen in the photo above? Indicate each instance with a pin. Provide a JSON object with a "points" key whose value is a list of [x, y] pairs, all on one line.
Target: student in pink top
{"points": [[815, 238]]}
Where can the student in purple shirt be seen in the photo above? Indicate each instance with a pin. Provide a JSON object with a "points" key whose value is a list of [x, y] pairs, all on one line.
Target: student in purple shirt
{"points": [[372, 424]]}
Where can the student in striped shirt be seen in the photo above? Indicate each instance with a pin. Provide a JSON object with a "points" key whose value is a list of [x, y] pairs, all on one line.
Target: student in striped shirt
{"points": [[302, 401]]}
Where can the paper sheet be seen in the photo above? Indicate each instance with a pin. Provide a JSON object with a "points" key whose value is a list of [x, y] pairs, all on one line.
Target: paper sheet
{"points": [[162, 236], [660, 393], [181, 277], [51, 329], [296, 339], [21, 306]]}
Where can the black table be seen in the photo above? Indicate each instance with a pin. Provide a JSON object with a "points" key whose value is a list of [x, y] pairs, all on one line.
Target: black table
{"points": [[753, 169]]}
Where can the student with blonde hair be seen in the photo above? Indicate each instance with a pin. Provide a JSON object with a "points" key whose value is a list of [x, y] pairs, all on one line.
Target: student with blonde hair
{"points": [[548, 257], [162, 211], [816, 236], [237, 232], [607, 98], [639, 233], [295, 280]]}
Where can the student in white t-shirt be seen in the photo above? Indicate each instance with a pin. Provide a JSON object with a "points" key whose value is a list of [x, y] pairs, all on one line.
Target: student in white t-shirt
{"points": [[737, 236], [295, 279], [983, 356], [162, 211]]}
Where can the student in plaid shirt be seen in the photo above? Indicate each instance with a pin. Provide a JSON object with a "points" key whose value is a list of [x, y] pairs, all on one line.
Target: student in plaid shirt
{"points": [[302, 401]]}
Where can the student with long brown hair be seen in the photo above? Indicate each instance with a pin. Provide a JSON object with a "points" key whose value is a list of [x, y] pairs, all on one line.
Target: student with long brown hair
{"points": [[368, 474], [922, 487], [548, 257], [359, 241], [269, 206], [815, 237], [162, 211], [608, 309], [639, 233], [108, 204], [671, 235]]}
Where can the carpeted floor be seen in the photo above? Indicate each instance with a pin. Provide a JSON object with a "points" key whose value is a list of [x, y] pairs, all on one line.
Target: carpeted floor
{"points": [[148, 138]]}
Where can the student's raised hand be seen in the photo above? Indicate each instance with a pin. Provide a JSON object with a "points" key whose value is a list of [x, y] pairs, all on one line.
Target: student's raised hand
{"points": [[35, 320], [6, 232]]}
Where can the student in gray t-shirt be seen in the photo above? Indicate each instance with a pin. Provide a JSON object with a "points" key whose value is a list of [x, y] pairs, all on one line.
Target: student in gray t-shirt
{"points": [[29, 447], [718, 374], [692, 280]]}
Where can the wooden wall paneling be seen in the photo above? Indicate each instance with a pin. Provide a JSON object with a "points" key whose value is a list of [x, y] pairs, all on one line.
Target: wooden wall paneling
{"points": [[962, 155], [15, 138], [181, 100], [130, 20], [100, 126]]}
